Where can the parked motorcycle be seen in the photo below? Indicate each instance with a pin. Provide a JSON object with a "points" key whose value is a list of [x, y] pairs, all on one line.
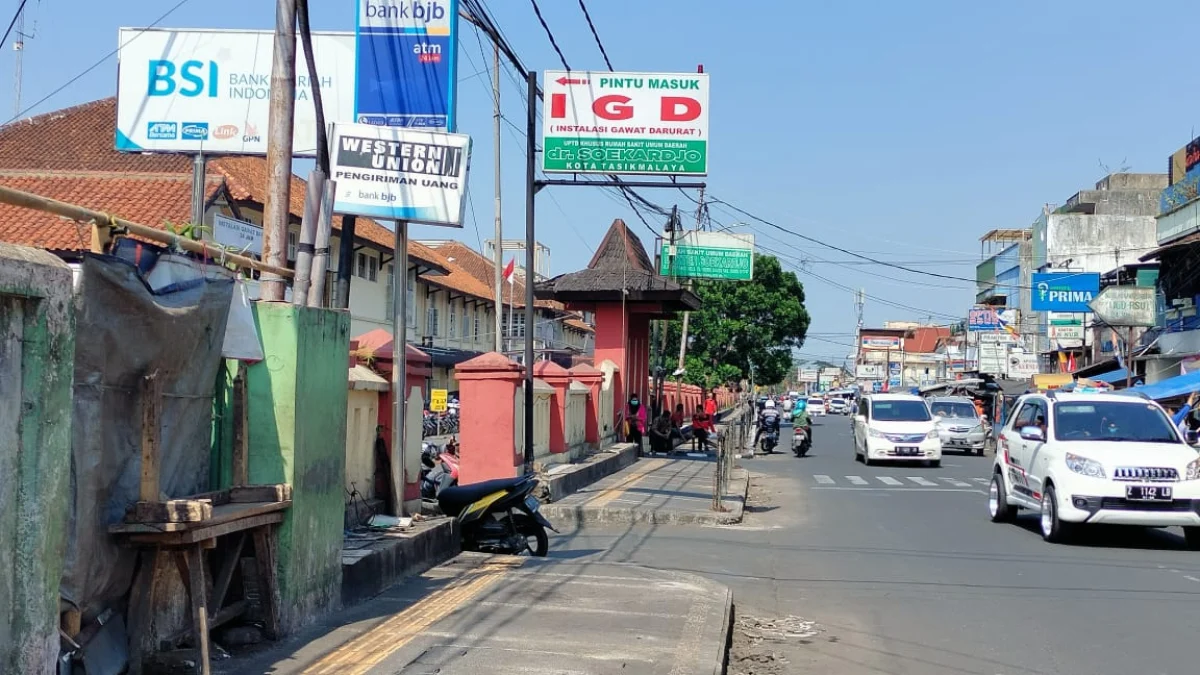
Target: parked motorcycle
{"points": [[801, 443], [498, 516], [439, 470]]}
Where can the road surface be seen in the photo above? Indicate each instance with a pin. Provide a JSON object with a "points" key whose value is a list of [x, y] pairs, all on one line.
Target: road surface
{"points": [[847, 569]]}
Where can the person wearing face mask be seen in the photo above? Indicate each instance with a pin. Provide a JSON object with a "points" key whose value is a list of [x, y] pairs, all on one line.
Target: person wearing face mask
{"points": [[635, 422]]}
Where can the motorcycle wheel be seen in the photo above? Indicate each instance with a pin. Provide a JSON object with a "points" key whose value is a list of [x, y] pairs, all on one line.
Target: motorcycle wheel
{"points": [[531, 528]]}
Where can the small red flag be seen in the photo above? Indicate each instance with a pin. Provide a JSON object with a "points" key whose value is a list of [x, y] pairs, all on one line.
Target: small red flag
{"points": [[508, 271]]}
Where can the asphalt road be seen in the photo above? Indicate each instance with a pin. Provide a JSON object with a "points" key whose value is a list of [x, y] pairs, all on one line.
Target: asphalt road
{"points": [[902, 572]]}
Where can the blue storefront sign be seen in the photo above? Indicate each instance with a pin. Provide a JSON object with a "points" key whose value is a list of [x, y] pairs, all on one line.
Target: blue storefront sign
{"points": [[407, 71], [983, 319], [1064, 291]]}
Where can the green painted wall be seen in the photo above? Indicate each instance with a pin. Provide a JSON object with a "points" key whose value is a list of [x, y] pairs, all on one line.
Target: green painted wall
{"points": [[297, 399], [37, 365]]}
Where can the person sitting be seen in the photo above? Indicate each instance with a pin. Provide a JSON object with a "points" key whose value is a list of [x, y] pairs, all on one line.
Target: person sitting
{"points": [[660, 434], [677, 422]]}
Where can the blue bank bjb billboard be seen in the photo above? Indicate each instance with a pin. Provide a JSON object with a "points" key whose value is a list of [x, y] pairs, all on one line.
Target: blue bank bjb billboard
{"points": [[407, 70], [1064, 291]]}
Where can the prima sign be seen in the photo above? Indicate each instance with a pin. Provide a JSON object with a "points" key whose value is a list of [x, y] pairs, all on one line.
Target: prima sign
{"points": [[1064, 291]]}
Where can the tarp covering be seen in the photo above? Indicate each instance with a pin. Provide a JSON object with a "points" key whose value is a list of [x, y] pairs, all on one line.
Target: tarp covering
{"points": [[126, 330], [1180, 385], [1114, 377]]}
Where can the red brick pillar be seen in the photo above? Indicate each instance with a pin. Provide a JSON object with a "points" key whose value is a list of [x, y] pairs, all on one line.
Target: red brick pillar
{"points": [[557, 377], [593, 379], [487, 389]]}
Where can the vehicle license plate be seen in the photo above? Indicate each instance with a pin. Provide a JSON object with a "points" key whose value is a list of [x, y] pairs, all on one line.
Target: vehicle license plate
{"points": [[1148, 493], [907, 450], [532, 503]]}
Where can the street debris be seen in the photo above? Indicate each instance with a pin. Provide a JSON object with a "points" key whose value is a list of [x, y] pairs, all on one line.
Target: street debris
{"points": [[759, 630]]}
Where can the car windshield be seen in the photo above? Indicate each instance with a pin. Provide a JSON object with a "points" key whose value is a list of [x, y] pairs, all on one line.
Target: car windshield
{"points": [[816, 401], [900, 411], [954, 409], [1133, 421]]}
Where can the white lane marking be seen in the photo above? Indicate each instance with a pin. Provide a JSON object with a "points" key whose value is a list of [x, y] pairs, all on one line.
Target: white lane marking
{"points": [[857, 480], [924, 482], [982, 481], [823, 480], [899, 489], [1191, 578], [888, 480], [955, 482]]}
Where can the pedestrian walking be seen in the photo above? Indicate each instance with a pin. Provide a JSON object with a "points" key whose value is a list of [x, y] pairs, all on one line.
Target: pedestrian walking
{"points": [[635, 423]]}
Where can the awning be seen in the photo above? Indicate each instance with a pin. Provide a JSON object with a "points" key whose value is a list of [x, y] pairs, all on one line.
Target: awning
{"points": [[1112, 377], [1180, 385]]}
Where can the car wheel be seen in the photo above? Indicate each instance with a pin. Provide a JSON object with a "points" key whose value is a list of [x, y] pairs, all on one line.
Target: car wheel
{"points": [[1192, 536], [1053, 530], [998, 507], [866, 459], [935, 463]]}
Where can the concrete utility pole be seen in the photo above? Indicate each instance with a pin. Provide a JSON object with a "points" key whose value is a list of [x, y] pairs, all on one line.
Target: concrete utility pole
{"points": [[280, 126], [498, 261]]}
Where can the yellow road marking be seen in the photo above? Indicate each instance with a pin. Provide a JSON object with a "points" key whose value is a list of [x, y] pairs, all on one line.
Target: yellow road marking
{"points": [[603, 498], [360, 655]]}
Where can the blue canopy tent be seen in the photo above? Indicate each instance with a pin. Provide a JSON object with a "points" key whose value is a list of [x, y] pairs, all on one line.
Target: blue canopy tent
{"points": [[1113, 377], [1172, 387]]}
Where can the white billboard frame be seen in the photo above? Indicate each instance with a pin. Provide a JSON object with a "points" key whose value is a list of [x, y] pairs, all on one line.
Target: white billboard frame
{"points": [[198, 90]]}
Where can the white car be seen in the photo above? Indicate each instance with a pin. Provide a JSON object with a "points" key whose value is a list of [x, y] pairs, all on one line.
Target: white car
{"points": [[838, 406], [1095, 458], [815, 407], [896, 427]]}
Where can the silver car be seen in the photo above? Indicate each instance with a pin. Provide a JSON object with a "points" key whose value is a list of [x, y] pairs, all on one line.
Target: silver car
{"points": [[959, 424]]}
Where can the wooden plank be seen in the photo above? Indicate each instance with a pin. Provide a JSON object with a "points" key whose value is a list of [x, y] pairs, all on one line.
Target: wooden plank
{"points": [[199, 601], [241, 428], [71, 622], [151, 437], [180, 538], [221, 514], [264, 555], [281, 492], [141, 606], [233, 611], [217, 498], [173, 511], [225, 575]]}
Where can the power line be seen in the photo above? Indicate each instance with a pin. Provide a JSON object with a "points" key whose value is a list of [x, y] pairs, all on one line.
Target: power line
{"points": [[553, 43], [595, 35], [95, 65], [21, 8]]}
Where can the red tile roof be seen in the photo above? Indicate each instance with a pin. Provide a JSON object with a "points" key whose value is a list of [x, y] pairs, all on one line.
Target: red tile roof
{"points": [[482, 269], [924, 340]]}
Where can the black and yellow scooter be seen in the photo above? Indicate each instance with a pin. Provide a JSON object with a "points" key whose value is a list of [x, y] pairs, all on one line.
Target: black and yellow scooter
{"points": [[498, 516]]}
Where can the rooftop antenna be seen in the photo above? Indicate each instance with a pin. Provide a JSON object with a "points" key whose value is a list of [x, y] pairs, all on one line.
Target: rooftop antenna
{"points": [[19, 48]]}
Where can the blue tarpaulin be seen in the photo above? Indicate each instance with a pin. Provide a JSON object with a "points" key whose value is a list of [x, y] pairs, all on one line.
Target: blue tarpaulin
{"points": [[1181, 385], [1113, 377]]}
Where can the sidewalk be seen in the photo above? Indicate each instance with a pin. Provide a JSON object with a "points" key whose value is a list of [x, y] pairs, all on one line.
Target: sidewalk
{"points": [[676, 490], [499, 614]]}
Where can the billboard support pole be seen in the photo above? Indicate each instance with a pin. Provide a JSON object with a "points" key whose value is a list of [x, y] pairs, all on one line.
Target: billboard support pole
{"points": [[280, 127], [399, 371], [531, 188], [498, 262], [198, 168]]}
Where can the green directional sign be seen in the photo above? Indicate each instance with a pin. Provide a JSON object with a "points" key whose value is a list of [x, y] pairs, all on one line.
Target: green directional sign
{"points": [[709, 255]]}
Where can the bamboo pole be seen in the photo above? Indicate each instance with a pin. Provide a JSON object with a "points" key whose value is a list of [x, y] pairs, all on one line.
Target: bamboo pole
{"points": [[104, 224]]}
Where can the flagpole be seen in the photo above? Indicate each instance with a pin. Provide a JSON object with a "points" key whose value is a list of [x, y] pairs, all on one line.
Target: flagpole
{"points": [[511, 286]]}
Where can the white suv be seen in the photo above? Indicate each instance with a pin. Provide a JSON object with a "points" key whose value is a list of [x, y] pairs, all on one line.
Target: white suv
{"points": [[896, 427], [1095, 458]]}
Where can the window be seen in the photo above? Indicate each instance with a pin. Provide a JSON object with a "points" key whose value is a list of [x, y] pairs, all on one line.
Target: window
{"points": [[453, 325], [431, 321], [466, 322], [1134, 421], [1028, 415], [291, 246], [476, 332], [900, 410], [954, 409], [362, 266], [862, 407], [372, 268], [517, 319]]}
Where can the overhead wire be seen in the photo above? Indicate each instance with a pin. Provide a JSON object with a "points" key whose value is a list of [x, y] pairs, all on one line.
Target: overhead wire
{"points": [[17, 15]]}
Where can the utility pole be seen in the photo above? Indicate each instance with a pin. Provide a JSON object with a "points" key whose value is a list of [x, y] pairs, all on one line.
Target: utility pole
{"points": [[281, 124], [498, 262], [531, 189], [859, 301], [688, 315]]}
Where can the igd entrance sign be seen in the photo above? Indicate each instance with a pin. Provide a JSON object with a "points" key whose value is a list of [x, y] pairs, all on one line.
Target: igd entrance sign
{"points": [[636, 123]]}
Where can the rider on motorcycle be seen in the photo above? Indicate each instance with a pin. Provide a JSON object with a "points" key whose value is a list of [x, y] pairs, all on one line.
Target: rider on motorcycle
{"points": [[769, 418], [801, 420]]}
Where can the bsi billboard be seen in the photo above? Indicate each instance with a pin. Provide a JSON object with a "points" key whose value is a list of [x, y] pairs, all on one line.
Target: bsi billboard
{"points": [[195, 90], [1064, 291]]}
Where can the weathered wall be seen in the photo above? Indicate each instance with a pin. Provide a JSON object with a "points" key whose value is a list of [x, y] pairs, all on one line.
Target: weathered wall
{"points": [[1095, 243], [37, 354], [297, 399]]}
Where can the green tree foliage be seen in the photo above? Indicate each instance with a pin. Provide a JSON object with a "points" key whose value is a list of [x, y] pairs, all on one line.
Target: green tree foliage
{"points": [[745, 330]]}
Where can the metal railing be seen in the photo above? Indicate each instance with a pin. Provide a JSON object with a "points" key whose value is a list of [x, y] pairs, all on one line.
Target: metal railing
{"points": [[730, 442]]}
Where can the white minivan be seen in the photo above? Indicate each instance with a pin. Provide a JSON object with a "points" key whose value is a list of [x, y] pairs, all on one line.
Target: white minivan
{"points": [[896, 427]]}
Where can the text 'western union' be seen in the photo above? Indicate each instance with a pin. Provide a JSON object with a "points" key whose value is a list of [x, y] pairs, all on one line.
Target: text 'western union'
{"points": [[428, 159]]}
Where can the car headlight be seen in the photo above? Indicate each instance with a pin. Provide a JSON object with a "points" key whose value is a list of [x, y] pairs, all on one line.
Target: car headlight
{"points": [[1193, 470], [1085, 466], [977, 429], [932, 434], [874, 433]]}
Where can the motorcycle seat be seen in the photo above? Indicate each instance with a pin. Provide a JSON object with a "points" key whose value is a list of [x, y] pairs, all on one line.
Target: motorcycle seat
{"points": [[455, 498]]}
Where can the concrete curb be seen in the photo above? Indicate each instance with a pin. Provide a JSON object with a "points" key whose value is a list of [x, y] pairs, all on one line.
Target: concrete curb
{"points": [[734, 502], [368, 571], [581, 475]]}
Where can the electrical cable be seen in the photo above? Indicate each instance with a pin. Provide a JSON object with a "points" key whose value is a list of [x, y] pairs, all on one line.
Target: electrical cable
{"points": [[553, 43], [21, 8], [596, 36], [95, 65]]}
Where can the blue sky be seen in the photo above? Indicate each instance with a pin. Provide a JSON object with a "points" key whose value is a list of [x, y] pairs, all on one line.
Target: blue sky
{"points": [[903, 131]]}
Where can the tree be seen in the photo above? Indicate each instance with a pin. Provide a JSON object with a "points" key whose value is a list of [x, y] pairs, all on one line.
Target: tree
{"points": [[745, 329]]}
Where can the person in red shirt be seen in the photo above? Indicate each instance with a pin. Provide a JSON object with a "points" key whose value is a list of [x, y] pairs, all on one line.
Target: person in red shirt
{"points": [[702, 428], [710, 405]]}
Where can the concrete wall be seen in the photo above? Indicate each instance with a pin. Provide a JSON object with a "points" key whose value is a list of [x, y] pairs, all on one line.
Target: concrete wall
{"points": [[362, 416], [37, 354], [297, 414], [1098, 243]]}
